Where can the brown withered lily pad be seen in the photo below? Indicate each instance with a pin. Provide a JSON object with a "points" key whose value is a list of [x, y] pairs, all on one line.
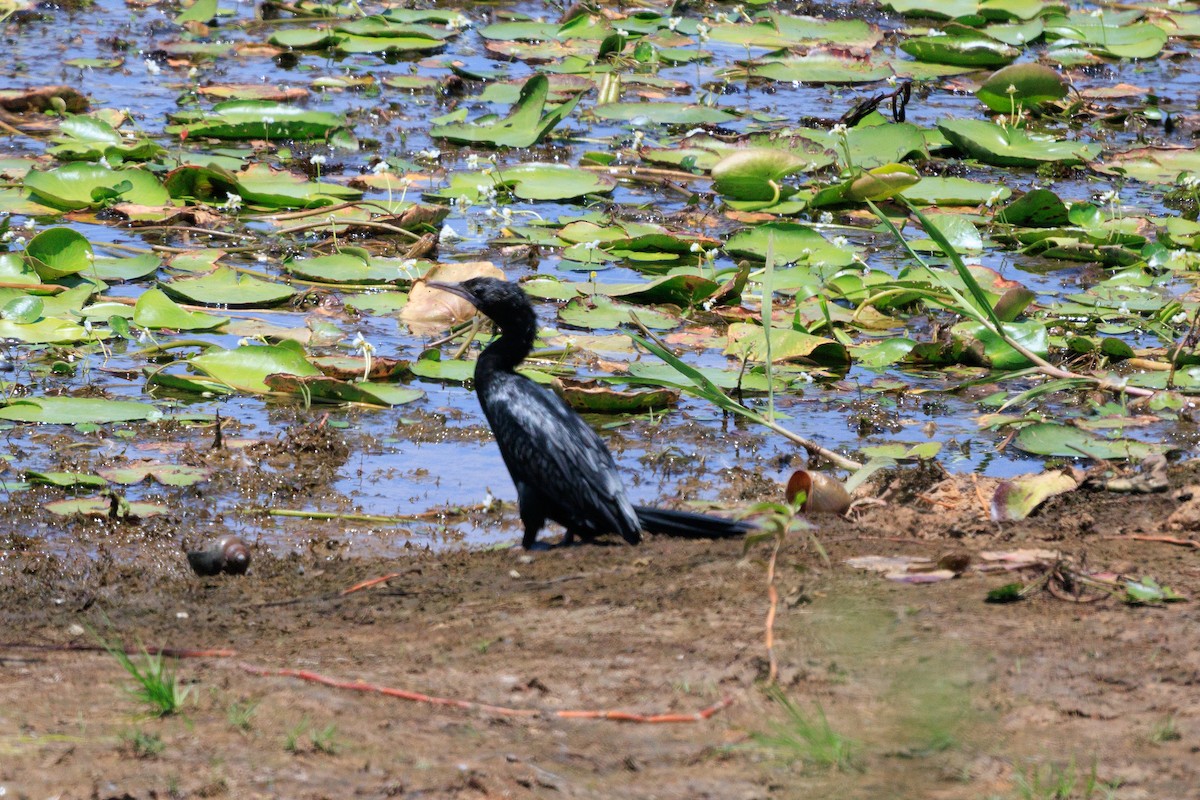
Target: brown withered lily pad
{"points": [[597, 398]]}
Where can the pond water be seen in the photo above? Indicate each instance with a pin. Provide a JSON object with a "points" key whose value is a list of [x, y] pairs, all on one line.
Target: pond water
{"points": [[391, 470]]}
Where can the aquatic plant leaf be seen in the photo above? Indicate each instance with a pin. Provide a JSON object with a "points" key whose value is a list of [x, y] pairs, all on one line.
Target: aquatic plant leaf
{"points": [[166, 474], [601, 312], [532, 181], [102, 507], [984, 347], [1021, 86], [155, 310], [57, 252], [756, 173], [793, 244], [960, 51], [1012, 147], [343, 267], [257, 119], [247, 368], [525, 125], [591, 397], [225, 286], [76, 410], [1068, 441], [124, 269], [84, 138], [85, 185], [1017, 498], [749, 340]]}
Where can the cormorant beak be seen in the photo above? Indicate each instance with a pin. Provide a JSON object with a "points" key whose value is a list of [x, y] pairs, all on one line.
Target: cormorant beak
{"points": [[456, 289]]}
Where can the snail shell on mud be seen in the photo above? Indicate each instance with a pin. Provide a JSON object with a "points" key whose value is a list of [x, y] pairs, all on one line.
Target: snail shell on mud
{"points": [[228, 554], [822, 494]]}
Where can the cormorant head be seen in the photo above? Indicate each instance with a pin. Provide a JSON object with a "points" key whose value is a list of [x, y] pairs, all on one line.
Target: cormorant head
{"points": [[505, 303]]}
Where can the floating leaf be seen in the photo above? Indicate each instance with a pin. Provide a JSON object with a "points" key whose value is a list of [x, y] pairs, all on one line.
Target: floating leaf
{"points": [[57, 252], [749, 341], [660, 113], [155, 310], [590, 397], [224, 286], [525, 125], [67, 480], [76, 410], [257, 119], [1012, 147], [1020, 86], [84, 185], [529, 182], [1067, 441], [247, 368], [755, 174], [960, 51], [166, 474]]}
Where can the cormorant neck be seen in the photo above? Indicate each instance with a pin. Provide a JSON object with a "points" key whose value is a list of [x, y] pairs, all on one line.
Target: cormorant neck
{"points": [[517, 333]]}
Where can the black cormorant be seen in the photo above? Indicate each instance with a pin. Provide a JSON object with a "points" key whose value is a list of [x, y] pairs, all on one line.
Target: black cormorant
{"points": [[561, 468]]}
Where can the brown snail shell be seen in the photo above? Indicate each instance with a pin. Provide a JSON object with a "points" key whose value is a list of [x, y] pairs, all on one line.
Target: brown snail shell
{"points": [[822, 494], [229, 554]]}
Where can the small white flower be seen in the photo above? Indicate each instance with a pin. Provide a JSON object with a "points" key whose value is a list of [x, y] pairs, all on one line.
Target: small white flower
{"points": [[720, 17], [892, 80], [708, 304], [695, 248], [317, 160], [232, 202], [673, 23], [840, 241], [268, 120], [152, 67], [379, 168], [702, 31], [1111, 197], [825, 218], [361, 345], [192, 73], [994, 198], [29, 223], [448, 234], [839, 130], [462, 202], [1012, 89], [473, 161], [1179, 318], [592, 245], [622, 33], [432, 154], [488, 501]]}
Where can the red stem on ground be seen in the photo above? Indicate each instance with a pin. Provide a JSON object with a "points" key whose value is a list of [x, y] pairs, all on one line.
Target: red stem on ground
{"points": [[503, 711], [1163, 539], [773, 595], [367, 584]]}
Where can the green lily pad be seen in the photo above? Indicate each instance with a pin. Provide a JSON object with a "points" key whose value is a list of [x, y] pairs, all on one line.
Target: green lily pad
{"points": [[943, 191], [76, 410], [983, 347], [1021, 86], [247, 368], [344, 267], [603, 313], [155, 310], [960, 51], [124, 269], [45, 331], [529, 182], [756, 173], [750, 341], [224, 286], [793, 244], [1068, 441], [83, 138], [257, 119], [66, 480], [324, 389], [57, 252], [526, 124], [1012, 147], [86, 185]]}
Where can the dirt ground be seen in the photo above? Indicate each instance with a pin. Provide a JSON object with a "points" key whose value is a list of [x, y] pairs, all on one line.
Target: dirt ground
{"points": [[941, 694]]}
